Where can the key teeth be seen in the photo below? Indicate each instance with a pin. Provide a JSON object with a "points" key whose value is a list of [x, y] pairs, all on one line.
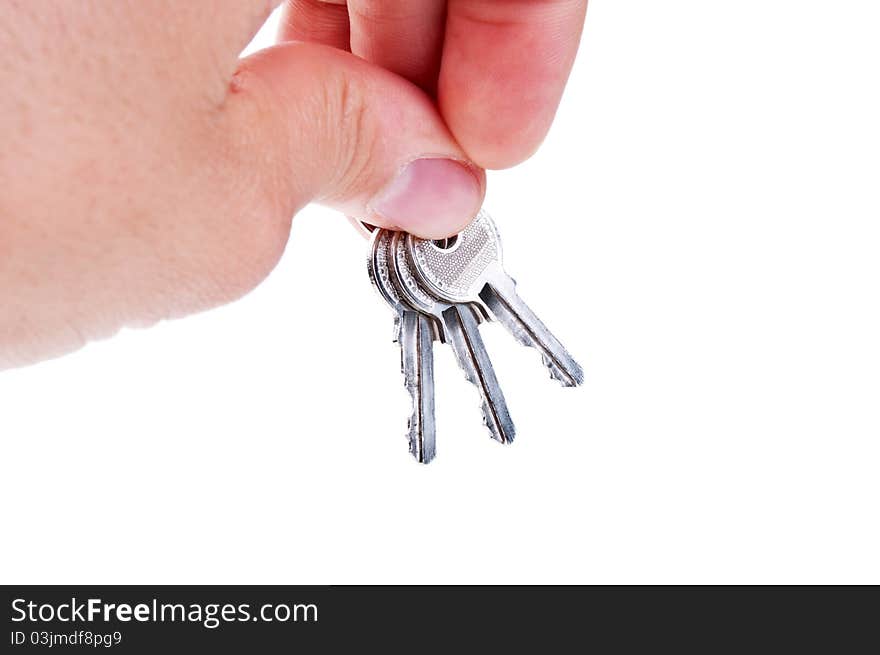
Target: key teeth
{"points": [[517, 330], [500, 436], [398, 327], [557, 374], [420, 455], [412, 429], [412, 433], [484, 407]]}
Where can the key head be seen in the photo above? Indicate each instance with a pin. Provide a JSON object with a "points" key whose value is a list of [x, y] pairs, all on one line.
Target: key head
{"points": [[407, 283], [458, 268], [379, 268], [408, 287]]}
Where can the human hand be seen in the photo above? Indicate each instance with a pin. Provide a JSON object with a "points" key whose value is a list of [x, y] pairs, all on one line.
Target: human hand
{"points": [[147, 172]]}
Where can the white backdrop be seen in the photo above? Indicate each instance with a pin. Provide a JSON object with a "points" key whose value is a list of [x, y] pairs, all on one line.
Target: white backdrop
{"points": [[700, 229]]}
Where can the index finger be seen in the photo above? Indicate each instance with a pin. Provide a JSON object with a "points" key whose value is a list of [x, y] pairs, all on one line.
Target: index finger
{"points": [[505, 64]]}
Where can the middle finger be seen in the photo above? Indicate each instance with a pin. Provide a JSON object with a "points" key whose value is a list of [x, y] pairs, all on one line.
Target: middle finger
{"points": [[402, 36]]}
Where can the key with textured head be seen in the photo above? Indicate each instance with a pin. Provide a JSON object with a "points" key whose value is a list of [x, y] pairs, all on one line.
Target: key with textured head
{"points": [[460, 326], [415, 333], [467, 268]]}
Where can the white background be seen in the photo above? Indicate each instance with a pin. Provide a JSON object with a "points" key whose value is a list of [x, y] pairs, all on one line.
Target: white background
{"points": [[700, 229]]}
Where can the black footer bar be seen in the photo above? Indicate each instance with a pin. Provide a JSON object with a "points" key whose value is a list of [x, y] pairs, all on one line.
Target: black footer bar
{"points": [[151, 619]]}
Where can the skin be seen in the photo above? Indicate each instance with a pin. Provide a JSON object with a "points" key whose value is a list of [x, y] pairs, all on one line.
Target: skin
{"points": [[147, 172]]}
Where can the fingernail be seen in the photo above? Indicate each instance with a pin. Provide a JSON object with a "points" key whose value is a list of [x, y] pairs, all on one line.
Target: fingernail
{"points": [[431, 197]]}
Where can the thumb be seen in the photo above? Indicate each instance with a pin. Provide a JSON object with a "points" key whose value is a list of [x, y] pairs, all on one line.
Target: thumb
{"points": [[310, 123], [166, 197]]}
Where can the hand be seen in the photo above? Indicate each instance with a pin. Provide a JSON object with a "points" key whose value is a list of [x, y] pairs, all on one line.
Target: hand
{"points": [[147, 172]]}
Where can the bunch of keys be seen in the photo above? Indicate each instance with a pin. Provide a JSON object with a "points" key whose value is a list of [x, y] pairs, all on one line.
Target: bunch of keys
{"points": [[441, 291]]}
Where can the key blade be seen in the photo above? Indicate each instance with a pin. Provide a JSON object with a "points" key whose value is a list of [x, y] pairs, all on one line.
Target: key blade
{"points": [[527, 328], [462, 332], [428, 430], [417, 365], [415, 334]]}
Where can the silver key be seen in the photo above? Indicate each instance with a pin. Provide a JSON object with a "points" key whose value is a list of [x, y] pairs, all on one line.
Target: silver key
{"points": [[460, 327], [468, 268], [415, 333]]}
